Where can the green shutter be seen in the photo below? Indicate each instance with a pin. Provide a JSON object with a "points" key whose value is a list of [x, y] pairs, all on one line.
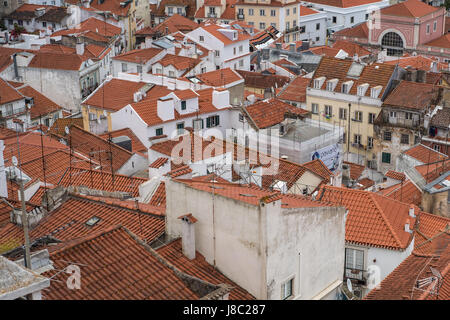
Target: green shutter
{"points": [[208, 122], [217, 120]]}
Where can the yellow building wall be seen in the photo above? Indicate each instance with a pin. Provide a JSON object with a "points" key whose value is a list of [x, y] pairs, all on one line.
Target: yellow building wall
{"points": [[99, 112], [256, 19], [364, 128], [255, 90]]}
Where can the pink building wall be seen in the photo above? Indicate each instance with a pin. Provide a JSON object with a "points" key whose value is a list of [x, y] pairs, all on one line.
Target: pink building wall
{"points": [[430, 19]]}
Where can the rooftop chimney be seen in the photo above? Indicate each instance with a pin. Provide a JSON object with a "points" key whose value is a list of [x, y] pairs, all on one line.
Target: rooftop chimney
{"points": [[407, 229], [221, 98], [165, 108], [188, 235], [80, 47], [411, 211]]}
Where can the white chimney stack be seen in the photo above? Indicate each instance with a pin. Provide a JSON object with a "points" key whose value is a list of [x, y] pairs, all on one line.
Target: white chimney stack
{"points": [[188, 235], [165, 108], [411, 211], [80, 47], [221, 98], [407, 229]]}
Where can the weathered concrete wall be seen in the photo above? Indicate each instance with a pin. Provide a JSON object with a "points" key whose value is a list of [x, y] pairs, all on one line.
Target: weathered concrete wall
{"points": [[436, 203]]}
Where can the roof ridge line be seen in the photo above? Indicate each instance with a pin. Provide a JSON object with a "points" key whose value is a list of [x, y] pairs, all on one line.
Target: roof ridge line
{"points": [[385, 220]]}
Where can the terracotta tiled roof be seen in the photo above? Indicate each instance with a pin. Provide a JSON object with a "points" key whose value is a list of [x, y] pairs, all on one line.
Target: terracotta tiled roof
{"points": [[429, 227], [418, 62], [158, 162], [57, 61], [295, 90], [114, 94], [343, 3], [395, 175], [180, 171], [441, 42], [441, 118], [351, 48], [191, 7], [373, 220], [200, 268], [138, 55], [5, 132], [41, 104], [324, 51], [252, 194], [159, 196], [318, 167], [218, 78], [213, 29], [60, 124], [8, 93], [268, 113], [179, 62], [68, 221], [114, 6], [136, 144], [175, 23], [409, 8], [86, 142], [424, 154], [360, 31], [94, 25], [106, 254], [356, 170], [401, 96], [401, 284], [365, 183], [263, 81], [305, 11], [376, 74]]}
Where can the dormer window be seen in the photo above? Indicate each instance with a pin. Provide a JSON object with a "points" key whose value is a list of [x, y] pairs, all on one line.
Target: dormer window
{"points": [[331, 84], [346, 86], [183, 105], [375, 91], [362, 89], [318, 82]]}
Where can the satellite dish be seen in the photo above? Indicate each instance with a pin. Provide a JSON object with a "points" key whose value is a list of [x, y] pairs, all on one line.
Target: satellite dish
{"points": [[349, 285], [14, 161], [66, 129]]}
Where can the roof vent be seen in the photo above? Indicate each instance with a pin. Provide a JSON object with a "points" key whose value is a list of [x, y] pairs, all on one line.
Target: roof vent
{"points": [[92, 221]]}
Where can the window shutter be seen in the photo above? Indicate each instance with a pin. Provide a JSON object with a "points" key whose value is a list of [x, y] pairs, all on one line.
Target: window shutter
{"points": [[349, 258], [217, 120], [208, 122]]}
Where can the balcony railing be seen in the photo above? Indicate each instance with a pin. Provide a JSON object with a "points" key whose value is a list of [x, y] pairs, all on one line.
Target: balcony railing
{"points": [[12, 112], [356, 274], [240, 16], [387, 121], [293, 29], [212, 15]]}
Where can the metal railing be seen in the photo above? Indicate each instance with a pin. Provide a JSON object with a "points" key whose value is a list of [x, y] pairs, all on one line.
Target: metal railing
{"points": [[7, 113]]}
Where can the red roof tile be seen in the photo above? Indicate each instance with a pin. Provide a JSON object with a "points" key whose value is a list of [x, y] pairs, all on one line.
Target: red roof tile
{"points": [[144, 275], [441, 42], [268, 113], [158, 162], [365, 183], [418, 62], [359, 31], [136, 144], [138, 55], [263, 81], [295, 90], [200, 268], [213, 29], [356, 170], [401, 96], [395, 175], [218, 78], [159, 196], [94, 25], [41, 104], [409, 8], [8, 93], [351, 48], [373, 220], [425, 154]]}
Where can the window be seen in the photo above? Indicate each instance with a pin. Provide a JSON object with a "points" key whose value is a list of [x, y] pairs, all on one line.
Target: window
{"points": [[20, 22], [197, 124], [317, 26], [44, 24], [352, 19], [179, 11], [294, 37], [287, 12], [250, 12], [234, 50], [53, 25], [317, 38], [334, 19], [212, 10], [434, 26], [386, 157], [158, 71], [241, 48], [294, 23], [393, 44], [180, 127], [286, 289], [328, 110], [387, 136], [437, 147], [124, 67], [369, 142], [251, 23], [354, 259], [201, 38], [294, 10], [408, 115], [302, 29], [139, 69], [212, 121], [262, 25], [262, 12], [287, 25], [342, 114], [171, 74], [159, 132], [170, 10], [367, 16], [392, 114], [404, 139], [372, 117], [315, 108], [273, 13], [241, 117], [358, 116], [183, 105], [428, 29], [357, 139], [217, 53], [5, 3], [241, 63]]}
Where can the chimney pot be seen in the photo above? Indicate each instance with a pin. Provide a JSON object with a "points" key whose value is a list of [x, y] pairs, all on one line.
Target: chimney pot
{"points": [[411, 211], [188, 235]]}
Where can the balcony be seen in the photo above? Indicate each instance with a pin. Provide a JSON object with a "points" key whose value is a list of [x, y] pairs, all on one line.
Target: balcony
{"points": [[293, 29], [212, 15], [5, 113], [356, 274], [384, 120], [240, 16]]}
